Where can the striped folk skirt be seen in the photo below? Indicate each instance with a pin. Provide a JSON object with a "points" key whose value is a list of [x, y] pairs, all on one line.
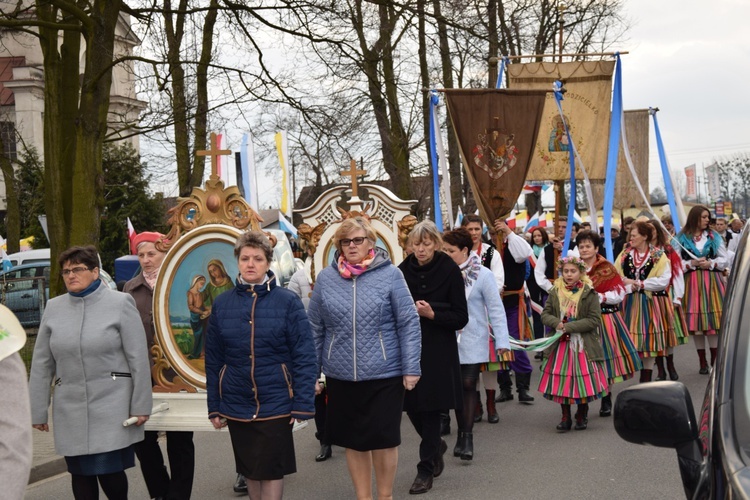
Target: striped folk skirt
{"points": [[495, 363], [704, 301], [650, 323], [569, 377], [680, 325], [621, 359]]}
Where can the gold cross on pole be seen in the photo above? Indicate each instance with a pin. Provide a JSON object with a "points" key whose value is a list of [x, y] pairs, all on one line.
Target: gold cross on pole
{"points": [[214, 152], [353, 173]]}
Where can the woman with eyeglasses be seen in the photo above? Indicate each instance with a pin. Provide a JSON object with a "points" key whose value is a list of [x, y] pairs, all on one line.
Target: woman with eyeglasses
{"points": [[368, 343], [92, 345]]}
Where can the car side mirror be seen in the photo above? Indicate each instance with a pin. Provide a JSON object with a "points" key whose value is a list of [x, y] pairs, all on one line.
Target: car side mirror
{"points": [[661, 414], [658, 413]]}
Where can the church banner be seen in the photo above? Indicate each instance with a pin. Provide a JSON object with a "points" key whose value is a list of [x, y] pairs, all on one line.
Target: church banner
{"points": [[496, 131], [636, 130], [586, 107]]}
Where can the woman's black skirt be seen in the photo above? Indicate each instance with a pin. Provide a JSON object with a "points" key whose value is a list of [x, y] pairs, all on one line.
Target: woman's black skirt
{"points": [[97, 464], [365, 415], [263, 450]]}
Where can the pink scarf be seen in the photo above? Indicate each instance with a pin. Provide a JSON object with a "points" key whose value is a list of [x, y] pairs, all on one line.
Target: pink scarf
{"points": [[150, 278], [348, 270]]}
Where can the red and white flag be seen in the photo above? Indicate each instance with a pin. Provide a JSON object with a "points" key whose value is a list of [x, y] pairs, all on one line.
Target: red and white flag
{"points": [[131, 234]]}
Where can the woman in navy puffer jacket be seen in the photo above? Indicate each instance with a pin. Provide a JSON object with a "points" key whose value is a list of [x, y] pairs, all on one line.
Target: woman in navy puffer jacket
{"points": [[368, 343], [260, 368]]}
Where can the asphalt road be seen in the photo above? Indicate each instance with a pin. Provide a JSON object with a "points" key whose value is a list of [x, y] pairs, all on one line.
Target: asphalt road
{"points": [[522, 457]]}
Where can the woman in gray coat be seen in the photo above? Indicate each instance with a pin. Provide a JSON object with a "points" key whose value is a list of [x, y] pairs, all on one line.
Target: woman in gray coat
{"points": [[91, 343]]}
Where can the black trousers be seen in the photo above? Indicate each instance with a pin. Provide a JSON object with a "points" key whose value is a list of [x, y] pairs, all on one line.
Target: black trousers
{"points": [[427, 425], [181, 454]]}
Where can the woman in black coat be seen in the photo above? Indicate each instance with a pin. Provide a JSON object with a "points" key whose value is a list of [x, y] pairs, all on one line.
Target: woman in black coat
{"points": [[437, 287]]}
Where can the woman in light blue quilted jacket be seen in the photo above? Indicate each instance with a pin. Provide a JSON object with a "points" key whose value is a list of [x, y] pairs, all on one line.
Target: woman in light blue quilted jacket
{"points": [[368, 342]]}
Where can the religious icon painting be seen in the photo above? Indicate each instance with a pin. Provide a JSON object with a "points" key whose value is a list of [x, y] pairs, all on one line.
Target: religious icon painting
{"points": [[196, 269]]}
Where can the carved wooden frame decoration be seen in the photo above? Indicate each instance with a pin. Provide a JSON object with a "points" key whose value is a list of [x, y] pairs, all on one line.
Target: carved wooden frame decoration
{"points": [[179, 264]]}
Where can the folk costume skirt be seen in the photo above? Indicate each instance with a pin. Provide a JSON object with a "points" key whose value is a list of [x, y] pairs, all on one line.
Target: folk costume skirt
{"points": [[365, 415], [569, 377], [680, 325], [650, 323], [704, 301], [263, 450], [621, 359]]}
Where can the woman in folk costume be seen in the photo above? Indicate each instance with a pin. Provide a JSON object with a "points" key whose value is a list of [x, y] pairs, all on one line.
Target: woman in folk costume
{"points": [[647, 273], [676, 292], [704, 257], [573, 371], [476, 347], [620, 356]]}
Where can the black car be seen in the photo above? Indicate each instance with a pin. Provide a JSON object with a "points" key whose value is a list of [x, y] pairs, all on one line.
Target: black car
{"points": [[713, 450]]}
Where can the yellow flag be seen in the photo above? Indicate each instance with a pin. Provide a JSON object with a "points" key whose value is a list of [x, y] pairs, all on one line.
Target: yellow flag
{"points": [[281, 149]]}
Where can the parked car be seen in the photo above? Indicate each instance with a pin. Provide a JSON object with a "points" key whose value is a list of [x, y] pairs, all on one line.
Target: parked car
{"points": [[713, 450], [20, 287]]}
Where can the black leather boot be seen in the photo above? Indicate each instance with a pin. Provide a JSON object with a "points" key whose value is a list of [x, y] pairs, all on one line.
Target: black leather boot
{"points": [[671, 369], [460, 443], [606, 409], [661, 374], [468, 451], [325, 453], [645, 376], [702, 361], [445, 423], [478, 411], [582, 417], [492, 416], [506, 387], [565, 423], [523, 381], [240, 485]]}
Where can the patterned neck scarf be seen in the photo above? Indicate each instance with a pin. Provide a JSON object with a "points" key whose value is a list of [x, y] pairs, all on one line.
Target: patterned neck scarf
{"points": [[470, 272], [569, 295], [151, 278], [348, 270]]}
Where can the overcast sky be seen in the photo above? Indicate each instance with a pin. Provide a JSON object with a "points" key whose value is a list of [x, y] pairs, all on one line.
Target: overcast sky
{"points": [[691, 60]]}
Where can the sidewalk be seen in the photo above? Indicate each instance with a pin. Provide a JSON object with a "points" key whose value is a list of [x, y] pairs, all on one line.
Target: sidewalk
{"points": [[45, 463]]}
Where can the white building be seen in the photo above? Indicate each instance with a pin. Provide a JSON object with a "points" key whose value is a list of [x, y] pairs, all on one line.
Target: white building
{"points": [[22, 90]]}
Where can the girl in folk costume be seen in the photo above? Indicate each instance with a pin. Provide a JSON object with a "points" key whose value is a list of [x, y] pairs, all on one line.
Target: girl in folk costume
{"points": [[621, 359], [676, 292], [647, 274], [704, 257], [573, 371]]}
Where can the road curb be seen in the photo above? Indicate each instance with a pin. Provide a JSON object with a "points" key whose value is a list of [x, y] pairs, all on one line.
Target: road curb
{"points": [[47, 468]]}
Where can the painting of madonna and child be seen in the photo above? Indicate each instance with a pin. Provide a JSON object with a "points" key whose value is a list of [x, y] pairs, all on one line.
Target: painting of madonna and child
{"points": [[205, 272]]}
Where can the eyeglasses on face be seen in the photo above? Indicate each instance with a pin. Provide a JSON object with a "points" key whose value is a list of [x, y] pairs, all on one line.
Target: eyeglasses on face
{"points": [[75, 270], [357, 241]]}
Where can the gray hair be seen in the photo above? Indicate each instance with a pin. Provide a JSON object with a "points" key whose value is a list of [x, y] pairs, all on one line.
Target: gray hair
{"points": [[254, 239]]}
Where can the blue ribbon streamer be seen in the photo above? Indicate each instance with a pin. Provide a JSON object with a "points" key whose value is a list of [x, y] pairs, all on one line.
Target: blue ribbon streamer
{"points": [[665, 173], [504, 60], [615, 127], [557, 90], [434, 100]]}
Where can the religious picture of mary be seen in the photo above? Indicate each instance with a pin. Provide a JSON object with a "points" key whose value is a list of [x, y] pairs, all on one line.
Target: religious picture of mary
{"points": [[195, 272], [558, 139]]}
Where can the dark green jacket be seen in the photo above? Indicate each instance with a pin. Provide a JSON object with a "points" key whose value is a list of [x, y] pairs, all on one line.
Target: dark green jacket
{"points": [[587, 323]]}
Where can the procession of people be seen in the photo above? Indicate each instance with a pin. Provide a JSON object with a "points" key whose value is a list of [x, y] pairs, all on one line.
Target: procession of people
{"points": [[365, 342]]}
